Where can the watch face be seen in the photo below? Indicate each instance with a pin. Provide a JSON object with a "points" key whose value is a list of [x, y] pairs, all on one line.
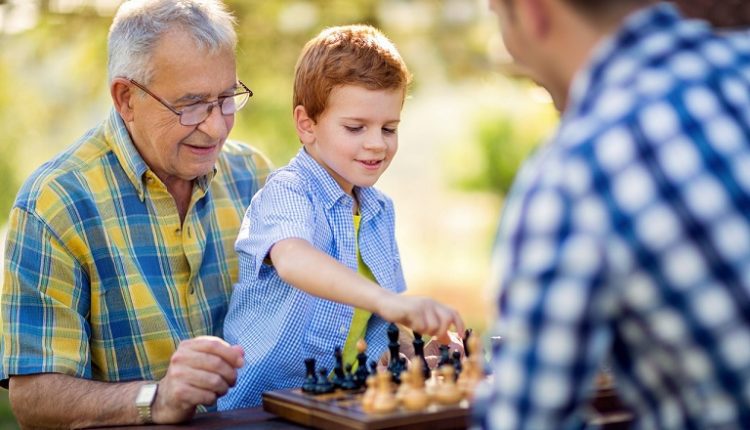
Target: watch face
{"points": [[146, 395]]}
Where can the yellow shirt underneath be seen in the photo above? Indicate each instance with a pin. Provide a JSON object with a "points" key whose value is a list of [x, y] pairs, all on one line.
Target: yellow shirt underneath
{"points": [[358, 326]]}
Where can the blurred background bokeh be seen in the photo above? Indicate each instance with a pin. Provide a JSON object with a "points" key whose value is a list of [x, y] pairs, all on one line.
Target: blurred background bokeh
{"points": [[465, 127]]}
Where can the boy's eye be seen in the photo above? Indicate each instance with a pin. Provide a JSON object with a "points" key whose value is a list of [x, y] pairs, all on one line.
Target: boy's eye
{"points": [[389, 130], [353, 129]]}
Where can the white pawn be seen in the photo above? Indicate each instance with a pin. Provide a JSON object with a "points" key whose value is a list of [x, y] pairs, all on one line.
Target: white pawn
{"points": [[447, 392], [416, 398], [385, 400]]}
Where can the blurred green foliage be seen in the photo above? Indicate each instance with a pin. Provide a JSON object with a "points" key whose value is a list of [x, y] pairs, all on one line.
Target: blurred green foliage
{"points": [[53, 75]]}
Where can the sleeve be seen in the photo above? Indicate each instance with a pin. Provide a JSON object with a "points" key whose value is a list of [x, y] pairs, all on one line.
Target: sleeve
{"points": [[280, 210], [553, 314], [44, 303]]}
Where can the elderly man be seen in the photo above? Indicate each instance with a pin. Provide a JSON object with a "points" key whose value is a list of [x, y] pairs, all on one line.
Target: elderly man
{"points": [[119, 258], [627, 236]]}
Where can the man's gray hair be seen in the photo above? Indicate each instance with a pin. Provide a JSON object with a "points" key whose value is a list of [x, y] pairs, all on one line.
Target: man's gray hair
{"points": [[139, 25]]}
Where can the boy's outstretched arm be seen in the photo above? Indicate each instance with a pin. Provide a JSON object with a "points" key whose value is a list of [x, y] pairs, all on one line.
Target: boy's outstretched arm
{"points": [[315, 272]]}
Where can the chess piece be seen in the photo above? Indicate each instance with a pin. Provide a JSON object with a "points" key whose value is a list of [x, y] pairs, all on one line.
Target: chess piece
{"points": [[444, 356], [323, 385], [361, 374], [473, 369], [385, 400], [348, 383], [396, 365], [466, 342], [447, 392], [418, 344], [404, 388], [416, 398], [338, 370], [368, 397], [456, 364], [310, 380]]}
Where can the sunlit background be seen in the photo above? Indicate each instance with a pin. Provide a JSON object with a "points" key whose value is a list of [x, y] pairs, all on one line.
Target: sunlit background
{"points": [[465, 127]]}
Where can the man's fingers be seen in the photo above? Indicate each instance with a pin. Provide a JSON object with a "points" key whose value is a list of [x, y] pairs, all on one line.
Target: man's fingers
{"points": [[216, 346]]}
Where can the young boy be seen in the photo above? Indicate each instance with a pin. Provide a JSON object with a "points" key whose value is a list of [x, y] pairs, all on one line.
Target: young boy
{"points": [[319, 265]]}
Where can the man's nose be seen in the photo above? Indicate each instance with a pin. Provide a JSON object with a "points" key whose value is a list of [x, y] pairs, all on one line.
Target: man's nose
{"points": [[215, 125]]}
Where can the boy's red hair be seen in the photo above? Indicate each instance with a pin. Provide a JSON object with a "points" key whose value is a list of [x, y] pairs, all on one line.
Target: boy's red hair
{"points": [[347, 55]]}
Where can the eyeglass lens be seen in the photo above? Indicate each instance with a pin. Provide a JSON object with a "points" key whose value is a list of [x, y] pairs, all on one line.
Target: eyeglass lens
{"points": [[198, 112]]}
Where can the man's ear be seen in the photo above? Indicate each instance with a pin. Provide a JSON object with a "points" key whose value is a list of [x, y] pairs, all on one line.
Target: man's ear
{"points": [[304, 124], [122, 93], [537, 16]]}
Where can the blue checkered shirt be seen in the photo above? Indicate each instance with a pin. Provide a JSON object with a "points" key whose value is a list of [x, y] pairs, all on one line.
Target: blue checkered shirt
{"points": [[627, 239], [279, 325]]}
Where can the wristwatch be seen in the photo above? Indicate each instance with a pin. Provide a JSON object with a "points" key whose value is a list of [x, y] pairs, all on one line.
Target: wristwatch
{"points": [[144, 400]]}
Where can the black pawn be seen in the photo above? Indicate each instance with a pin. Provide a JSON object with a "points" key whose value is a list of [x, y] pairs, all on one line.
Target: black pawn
{"points": [[324, 385], [419, 352], [457, 363], [444, 355], [310, 380], [338, 371], [467, 335], [348, 382], [361, 374], [396, 365]]}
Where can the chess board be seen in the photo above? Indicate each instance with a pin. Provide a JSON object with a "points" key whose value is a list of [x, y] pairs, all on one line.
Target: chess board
{"points": [[342, 410]]}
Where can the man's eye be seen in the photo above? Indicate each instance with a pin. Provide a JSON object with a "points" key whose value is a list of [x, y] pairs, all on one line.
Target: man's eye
{"points": [[353, 129], [194, 106]]}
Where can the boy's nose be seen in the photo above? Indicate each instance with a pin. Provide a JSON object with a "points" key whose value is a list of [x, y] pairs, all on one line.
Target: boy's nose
{"points": [[376, 141]]}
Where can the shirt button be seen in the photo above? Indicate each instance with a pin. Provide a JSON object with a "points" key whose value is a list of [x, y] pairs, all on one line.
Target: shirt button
{"points": [[177, 231], [342, 330]]}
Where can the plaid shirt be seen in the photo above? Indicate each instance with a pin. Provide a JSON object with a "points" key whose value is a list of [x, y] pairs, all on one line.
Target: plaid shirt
{"points": [[627, 238], [101, 279], [279, 326]]}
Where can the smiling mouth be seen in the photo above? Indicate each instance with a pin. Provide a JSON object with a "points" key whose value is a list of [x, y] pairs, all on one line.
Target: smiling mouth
{"points": [[371, 162]]}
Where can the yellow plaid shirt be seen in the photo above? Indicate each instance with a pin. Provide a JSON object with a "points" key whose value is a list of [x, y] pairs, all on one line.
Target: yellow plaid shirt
{"points": [[101, 279]]}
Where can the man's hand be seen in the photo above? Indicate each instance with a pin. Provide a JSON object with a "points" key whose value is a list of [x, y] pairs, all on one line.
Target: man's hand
{"points": [[200, 371]]}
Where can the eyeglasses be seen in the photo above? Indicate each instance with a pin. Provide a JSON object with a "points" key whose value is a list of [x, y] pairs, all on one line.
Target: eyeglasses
{"points": [[196, 113]]}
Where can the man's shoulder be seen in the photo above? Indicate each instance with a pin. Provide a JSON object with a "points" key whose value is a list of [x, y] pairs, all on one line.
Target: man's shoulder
{"points": [[243, 160], [68, 173]]}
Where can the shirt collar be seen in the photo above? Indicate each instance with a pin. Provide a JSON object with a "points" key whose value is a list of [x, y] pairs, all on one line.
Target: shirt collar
{"points": [[370, 201], [130, 159], [646, 22]]}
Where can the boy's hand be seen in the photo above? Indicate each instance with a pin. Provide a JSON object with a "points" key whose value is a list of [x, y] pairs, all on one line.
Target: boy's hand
{"points": [[421, 314]]}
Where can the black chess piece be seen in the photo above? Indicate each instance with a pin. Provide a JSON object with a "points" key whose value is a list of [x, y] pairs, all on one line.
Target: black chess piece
{"points": [[323, 385], [467, 335], [310, 380], [396, 365], [348, 383], [457, 363], [444, 356], [361, 374], [419, 352], [338, 370]]}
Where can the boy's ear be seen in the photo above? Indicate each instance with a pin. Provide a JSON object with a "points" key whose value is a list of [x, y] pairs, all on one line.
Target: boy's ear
{"points": [[121, 93], [304, 124]]}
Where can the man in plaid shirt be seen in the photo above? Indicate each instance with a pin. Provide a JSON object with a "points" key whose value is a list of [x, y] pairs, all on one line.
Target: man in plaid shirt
{"points": [[627, 237], [120, 252]]}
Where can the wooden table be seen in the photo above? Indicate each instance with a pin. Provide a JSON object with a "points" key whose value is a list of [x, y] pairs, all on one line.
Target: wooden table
{"points": [[257, 419], [250, 418]]}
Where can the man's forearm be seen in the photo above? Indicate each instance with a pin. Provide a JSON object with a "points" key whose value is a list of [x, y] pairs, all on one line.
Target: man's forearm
{"points": [[53, 400]]}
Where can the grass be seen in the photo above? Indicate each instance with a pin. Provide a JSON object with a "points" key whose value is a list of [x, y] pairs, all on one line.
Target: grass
{"points": [[7, 420]]}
